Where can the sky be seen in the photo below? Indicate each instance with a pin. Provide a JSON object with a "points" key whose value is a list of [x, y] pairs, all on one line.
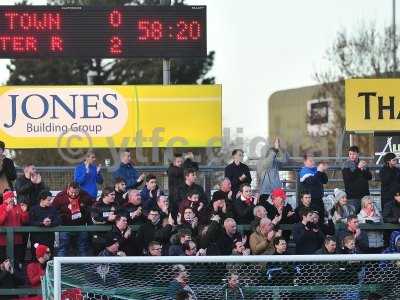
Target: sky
{"points": [[263, 46]]}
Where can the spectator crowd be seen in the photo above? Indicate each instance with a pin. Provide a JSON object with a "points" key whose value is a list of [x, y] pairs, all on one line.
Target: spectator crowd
{"points": [[186, 221]]}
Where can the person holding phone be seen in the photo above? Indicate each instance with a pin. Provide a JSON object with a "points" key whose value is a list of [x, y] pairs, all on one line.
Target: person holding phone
{"points": [[15, 215]]}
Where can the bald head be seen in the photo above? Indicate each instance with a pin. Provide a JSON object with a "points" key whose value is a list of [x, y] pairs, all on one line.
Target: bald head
{"points": [[134, 197]]}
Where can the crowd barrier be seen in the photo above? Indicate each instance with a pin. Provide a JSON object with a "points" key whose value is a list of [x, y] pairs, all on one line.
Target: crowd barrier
{"points": [[9, 231]]}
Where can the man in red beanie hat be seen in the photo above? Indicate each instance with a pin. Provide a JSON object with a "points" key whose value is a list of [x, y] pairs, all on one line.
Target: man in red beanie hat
{"points": [[15, 215], [35, 270], [278, 211]]}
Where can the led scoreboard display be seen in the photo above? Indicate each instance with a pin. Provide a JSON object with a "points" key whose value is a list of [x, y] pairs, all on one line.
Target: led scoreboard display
{"points": [[128, 31]]}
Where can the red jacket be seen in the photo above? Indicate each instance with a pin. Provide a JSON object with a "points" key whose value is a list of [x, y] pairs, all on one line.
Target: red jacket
{"points": [[34, 271], [16, 217], [61, 203]]}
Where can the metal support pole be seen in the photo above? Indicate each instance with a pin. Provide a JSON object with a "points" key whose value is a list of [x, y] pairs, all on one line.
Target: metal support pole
{"points": [[57, 279], [166, 71], [394, 39], [10, 243], [166, 61], [91, 75]]}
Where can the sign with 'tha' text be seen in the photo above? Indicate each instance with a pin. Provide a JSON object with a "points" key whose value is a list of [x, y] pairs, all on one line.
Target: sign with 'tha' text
{"points": [[373, 105]]}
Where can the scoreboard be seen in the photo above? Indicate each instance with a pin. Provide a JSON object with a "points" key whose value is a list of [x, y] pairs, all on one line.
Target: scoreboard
{"points": [[102, 32]]}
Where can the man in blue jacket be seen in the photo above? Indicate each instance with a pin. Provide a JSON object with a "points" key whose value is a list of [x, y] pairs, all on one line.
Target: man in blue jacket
{"points": [[88, 175], [312, 179], [128, 172]]}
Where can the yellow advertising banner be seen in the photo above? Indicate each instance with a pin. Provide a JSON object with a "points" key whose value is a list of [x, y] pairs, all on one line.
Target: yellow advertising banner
{"points": [[372, 105], [111, 116]]}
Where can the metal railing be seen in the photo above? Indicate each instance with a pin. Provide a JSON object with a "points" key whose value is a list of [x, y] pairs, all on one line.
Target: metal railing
{"points": [[9, 231], [209, 176]]}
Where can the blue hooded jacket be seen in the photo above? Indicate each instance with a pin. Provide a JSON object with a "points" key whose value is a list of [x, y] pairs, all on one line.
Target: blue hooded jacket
{"points": [[313, 181], [394, 238]]}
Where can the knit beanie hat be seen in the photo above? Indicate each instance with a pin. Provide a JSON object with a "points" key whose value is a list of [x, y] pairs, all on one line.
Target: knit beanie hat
{"points": [[40, 250], [278, 192], [339, 194]]}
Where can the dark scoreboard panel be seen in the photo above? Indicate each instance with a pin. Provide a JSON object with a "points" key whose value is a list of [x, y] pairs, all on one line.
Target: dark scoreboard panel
{"points": [[109, 32]]}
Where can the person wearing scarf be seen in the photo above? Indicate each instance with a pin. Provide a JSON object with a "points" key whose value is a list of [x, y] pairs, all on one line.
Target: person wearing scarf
{"points": [[244, 204], [369, 214]]}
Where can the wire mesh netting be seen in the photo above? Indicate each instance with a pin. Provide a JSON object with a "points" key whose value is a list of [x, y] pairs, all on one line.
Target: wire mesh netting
{"points": [[264, 280]]}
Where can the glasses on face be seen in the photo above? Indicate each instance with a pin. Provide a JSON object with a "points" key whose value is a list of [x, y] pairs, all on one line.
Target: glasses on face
{"points": [[157, 249]]}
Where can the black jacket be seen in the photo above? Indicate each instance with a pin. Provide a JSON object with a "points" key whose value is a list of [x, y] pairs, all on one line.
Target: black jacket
{"points": [[37, 214], [272, 212], [323, 251], [28, 192], [175, 180], [233, 172], [243, 212], [9, 171], [124, 243], [149, 232], [390, 183], [100, 212], [355, 180], [10, 281], [119, 198], [391, 212], [307, 241], [190, 164], [184, 189], [315, 185], [217, 241], [361, 241], [128, 209]]}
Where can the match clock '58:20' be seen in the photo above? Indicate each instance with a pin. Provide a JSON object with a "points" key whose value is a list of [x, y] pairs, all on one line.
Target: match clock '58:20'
{"points": [[128, 31]]}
